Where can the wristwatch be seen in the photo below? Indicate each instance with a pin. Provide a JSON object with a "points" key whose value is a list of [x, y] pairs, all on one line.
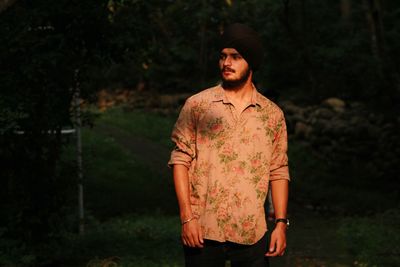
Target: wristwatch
{"points": [[284, 220]]}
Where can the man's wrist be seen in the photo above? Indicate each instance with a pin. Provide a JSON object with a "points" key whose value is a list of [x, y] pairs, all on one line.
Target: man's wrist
{"points": [[186, 213], [282, 222], [188, 220]]}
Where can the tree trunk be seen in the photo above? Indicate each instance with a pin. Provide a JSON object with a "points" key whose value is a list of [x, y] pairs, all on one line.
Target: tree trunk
{"points": [[78, 125], [374, 19], [299, 41], [345, 9]]}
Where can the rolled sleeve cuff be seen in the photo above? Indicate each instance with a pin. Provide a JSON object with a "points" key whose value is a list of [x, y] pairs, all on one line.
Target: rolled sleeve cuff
{"points": [[280, 173], [179, 158]]}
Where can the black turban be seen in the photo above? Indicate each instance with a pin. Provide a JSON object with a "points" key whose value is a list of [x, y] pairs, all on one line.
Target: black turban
{"points": [[246, 41]]}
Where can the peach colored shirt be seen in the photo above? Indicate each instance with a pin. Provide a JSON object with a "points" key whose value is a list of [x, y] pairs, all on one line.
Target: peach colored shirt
{"points": [[230, 159]]}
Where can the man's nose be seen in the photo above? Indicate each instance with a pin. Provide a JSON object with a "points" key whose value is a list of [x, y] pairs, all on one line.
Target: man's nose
{"points": [[227, 61]]}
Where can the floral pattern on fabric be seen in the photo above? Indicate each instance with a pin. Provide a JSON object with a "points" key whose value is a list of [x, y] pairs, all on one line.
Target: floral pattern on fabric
{"points": [[231, 160]]}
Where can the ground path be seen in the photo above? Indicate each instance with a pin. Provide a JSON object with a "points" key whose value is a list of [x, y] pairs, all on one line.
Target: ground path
{"points": [[154, 154]]}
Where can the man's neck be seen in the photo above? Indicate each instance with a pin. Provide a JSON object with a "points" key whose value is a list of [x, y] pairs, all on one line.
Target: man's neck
{"points": [[241, 94]]}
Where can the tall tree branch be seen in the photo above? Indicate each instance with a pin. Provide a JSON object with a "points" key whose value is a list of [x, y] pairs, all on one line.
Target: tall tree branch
{"points": [[4, 4]]}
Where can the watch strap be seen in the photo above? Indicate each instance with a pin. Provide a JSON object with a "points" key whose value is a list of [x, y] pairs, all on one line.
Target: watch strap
{"points": [[284, 220]]}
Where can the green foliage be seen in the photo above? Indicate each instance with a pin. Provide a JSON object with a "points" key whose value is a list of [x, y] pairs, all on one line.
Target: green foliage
{"points": [[151, 240], [374, 241], [9, 118], [329, 186], [313, 52], [39, 56], [14, 252], [140, 123]]}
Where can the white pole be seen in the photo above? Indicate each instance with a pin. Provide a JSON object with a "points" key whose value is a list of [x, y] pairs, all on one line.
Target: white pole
{"points": [[78, 126]]}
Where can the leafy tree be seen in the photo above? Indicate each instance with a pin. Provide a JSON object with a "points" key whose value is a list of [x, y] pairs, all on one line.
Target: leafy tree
{"points": [[39, 56]]}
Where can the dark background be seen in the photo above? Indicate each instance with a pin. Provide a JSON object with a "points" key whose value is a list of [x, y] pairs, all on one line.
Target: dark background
{"points": [[333, 67]]}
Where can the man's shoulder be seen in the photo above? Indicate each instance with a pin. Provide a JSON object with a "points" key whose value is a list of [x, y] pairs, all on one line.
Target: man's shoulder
{"points": [[268, 104]]}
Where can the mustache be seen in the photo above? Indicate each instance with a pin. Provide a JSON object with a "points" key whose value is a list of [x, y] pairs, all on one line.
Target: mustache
{"points": [[227, 69]]}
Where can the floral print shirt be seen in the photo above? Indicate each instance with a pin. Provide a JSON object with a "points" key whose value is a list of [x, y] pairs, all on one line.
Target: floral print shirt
{"points": [[230, 159]]}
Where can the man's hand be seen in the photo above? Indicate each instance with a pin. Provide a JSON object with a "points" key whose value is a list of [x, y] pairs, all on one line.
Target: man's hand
{"points": [[279, 191], [191, 234], [278, 241]]}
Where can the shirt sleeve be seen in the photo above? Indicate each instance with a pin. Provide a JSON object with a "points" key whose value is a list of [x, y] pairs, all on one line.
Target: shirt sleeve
{"points": [[184, 137], [279, 161]]}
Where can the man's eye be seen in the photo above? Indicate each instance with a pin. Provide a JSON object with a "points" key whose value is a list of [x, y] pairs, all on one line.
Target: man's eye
{"points": [[222, 56], [237, 57]]}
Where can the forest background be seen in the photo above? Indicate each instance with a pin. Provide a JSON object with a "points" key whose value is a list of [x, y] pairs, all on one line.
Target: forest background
{"points": [[333, 67]]}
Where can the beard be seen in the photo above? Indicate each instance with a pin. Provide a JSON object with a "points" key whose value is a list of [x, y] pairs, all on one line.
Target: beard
{"points": [[231, 84]]}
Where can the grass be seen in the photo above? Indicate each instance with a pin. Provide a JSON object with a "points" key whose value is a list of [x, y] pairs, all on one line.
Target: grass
{"points": [[119, 182], [118, 179], [130, 201], [132, 211], [373, 240], [141, 123], [133, 240]]}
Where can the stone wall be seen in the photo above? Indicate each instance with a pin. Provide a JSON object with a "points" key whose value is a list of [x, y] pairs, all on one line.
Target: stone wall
{"points": [[344, 132]]}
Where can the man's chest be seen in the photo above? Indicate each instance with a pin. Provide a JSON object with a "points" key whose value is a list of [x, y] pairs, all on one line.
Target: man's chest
{"points": [[252, 129]]}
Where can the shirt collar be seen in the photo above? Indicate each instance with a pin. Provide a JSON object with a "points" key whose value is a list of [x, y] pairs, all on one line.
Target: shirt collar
{"points": [[219, 95]]}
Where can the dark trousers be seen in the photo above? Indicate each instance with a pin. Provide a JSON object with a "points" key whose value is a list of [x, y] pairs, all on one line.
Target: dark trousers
{"points": [[214, 254]]}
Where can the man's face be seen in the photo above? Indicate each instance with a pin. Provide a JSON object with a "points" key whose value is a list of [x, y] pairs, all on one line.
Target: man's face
{"points": [[234, 68]]}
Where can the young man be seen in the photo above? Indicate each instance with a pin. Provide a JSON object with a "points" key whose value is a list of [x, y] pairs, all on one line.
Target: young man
{"points": [[231, 143]]}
